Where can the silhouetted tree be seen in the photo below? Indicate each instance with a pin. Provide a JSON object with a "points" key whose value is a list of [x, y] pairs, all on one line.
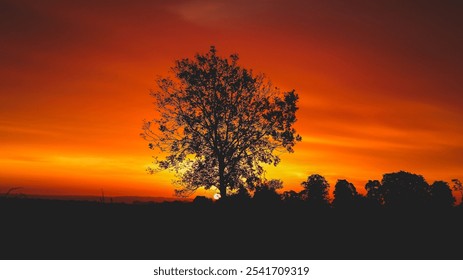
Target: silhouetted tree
{"points": [[241, 196], [404, 190], [345, 194], [373, 188], [316, 190], [266, 193], [441, 195], [458, 187], [218, 122], [291, 196]]}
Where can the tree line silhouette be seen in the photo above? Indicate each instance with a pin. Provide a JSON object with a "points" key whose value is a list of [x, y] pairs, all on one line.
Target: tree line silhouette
{"points": [[397, 190], [400, 217]]}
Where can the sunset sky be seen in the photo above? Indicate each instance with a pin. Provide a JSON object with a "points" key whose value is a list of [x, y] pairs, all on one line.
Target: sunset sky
{"points": [[380, 86]]}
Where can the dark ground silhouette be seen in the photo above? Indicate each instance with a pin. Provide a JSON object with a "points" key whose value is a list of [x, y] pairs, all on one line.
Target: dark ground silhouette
{"points": [[243, 229]]}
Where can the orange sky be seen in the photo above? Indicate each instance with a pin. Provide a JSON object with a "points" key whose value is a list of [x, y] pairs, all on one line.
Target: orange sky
{"points": [[380, 86]]}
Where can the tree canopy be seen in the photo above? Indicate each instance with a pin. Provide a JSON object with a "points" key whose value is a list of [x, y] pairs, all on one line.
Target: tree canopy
{"points": [[217, 123], [316, 190], [344, 194], [374, 192], [404, 189], [441, 195]]}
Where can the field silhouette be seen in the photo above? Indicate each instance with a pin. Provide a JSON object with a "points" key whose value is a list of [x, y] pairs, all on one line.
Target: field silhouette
{"points": [[264, 226]]}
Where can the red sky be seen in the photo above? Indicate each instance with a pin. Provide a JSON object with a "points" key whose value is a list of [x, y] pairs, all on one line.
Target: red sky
{"points": [[379, 82]]}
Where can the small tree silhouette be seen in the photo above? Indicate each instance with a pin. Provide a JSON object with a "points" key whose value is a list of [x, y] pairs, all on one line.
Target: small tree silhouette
{"points": [[241, 196], [266, 193], [291, 196], [316, 190], [373, 188], [218, 122], [458, 187], [404, 190], [441, 195], [345, 194]]}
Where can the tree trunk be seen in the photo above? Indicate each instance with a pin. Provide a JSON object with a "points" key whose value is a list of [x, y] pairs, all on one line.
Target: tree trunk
{"points": [[222, 184]]}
